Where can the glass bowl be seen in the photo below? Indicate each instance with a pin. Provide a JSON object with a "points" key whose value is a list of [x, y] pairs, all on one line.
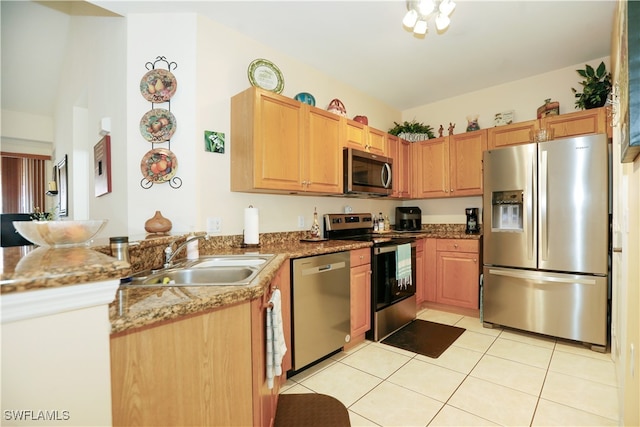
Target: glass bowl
{"points": [[60, 233]]}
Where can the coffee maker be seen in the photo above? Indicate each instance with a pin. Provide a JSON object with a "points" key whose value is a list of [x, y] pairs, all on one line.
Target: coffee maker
{"points": [[472, 221], [408, 218]]}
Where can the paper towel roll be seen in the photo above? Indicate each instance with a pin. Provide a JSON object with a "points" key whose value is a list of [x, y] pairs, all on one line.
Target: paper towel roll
{"points": [[251, 235]]}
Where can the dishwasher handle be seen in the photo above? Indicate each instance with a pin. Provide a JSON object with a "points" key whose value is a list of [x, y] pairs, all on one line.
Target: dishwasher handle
{"points": [[323, 268]]}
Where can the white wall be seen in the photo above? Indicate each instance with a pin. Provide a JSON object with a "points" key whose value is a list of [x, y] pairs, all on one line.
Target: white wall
{"points": [[212, 67], [92, 87], [522, 96]]}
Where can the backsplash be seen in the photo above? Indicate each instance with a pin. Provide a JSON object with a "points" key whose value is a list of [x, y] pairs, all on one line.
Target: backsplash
{"points": [[148, 253]]}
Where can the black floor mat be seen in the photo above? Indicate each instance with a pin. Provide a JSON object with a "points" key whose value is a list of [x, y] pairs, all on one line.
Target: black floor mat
{"points": [[310, 410], [421, 336]]}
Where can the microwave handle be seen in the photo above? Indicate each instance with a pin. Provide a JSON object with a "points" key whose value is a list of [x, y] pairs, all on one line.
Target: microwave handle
{"points": [[387, 169]]}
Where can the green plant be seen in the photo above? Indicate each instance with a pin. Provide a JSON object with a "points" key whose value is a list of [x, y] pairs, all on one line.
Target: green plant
{"points": [[596, 86], [411, 127]]}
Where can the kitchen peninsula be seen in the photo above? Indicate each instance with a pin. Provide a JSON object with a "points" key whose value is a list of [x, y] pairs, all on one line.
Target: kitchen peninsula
{"points": [[221, 327]]}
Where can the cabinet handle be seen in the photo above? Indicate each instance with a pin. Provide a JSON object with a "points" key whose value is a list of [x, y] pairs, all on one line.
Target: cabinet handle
{"points": [[361, 256], [455, 245], [475, 260]]}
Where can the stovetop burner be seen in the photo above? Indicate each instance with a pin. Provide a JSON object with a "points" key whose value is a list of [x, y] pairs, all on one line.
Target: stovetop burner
{"points": [[358, 227]]}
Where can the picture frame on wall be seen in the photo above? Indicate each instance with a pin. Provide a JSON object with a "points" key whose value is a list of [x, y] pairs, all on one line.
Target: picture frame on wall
{"points": [[62, 187], [102, 166]]}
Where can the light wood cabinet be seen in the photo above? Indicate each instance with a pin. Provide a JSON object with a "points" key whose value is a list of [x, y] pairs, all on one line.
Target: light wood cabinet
{"points": [[466, 163], [513, 134], [322, 153], [203, 369], [377, 141], [577, 123], [427, 288], [420, 272], [561, 126], [430, 164], [458, 272], [282, 145], [400, 151], [449, 166], [192, 371], [265, 400], [360, 293], [365, 138]]}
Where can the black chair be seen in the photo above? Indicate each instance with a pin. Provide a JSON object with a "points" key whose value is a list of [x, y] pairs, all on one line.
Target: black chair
{"points": [[9, 236]]}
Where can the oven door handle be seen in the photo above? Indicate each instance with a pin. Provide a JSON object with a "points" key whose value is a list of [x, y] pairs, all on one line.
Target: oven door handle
{"points": [[390, 248]]}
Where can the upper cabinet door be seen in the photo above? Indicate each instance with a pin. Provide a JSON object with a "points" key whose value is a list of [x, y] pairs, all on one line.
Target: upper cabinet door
{"points": [[513, 134], [355, 134], [431, 168], [578, 123], [322, 154], [279, 132], [376, 141], [400, 151], [465, 151]]}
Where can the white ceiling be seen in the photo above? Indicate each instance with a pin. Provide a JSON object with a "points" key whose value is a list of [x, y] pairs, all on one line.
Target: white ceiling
{"points": [[361, 43]]}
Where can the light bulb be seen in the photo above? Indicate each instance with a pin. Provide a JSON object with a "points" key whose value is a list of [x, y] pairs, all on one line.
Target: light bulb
{"points": [[421, 27], [442, 21], [425, 7], [410, 18], [446, 7]]}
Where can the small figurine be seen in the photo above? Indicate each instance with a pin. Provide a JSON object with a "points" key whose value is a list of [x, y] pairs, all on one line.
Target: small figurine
{"points": [[472, 123], [440, 131], [451, 127]]}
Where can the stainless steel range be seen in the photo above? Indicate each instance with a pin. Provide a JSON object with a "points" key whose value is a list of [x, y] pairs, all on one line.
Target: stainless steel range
{"points": [[393, 303]]}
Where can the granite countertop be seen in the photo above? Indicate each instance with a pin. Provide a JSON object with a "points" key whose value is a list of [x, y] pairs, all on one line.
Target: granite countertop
{"points": [[134, 308], [29, 268]]}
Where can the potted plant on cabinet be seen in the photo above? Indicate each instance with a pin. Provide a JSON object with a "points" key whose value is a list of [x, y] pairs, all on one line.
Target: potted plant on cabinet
{"points": [[596, 86], [412, 131]]}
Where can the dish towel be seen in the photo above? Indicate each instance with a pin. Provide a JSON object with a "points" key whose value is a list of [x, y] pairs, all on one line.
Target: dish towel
{"points": [[403, 266], [276, 346]]}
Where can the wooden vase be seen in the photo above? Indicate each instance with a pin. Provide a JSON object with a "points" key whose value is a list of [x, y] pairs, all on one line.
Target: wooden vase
{"points": [[157, 224]]}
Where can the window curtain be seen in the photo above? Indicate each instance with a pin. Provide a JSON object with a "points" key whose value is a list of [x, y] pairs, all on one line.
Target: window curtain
{"points": [[23, 182]]}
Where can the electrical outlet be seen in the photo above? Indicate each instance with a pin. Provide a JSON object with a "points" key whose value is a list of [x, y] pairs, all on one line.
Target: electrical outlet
{"points": [[214, 225], [300, 221]]}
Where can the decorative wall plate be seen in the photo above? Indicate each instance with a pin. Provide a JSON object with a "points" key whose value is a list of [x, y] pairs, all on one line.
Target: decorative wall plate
{"points": [[264, 74], [159, 165], [305, 98], [158, 125], [158, 85]]}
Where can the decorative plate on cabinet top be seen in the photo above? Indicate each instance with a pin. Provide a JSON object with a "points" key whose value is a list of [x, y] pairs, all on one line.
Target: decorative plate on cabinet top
{"points": [[158, 85], [305, 98], [159, 165], [265, 75], [158, 125]]}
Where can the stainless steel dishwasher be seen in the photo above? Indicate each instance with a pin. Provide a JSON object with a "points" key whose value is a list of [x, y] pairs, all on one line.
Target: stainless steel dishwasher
{"points": [[320, 306]]}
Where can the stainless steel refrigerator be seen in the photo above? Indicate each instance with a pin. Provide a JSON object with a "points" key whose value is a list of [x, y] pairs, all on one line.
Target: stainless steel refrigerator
{"points": [[546, 238]]}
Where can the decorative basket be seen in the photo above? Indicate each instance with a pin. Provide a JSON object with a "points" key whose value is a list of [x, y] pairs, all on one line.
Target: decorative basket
{"points": [[337, 107]]}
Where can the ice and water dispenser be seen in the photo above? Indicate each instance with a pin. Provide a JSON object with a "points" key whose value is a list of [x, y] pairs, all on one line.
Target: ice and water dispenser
{"points": [[507, 210]]}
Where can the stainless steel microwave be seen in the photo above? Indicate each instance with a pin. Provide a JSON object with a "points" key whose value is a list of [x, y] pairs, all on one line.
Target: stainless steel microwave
{"points": [[367, 173]]}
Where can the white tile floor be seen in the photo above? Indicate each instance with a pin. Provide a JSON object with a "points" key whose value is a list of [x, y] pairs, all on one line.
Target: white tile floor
{"points": [[487, 377]]}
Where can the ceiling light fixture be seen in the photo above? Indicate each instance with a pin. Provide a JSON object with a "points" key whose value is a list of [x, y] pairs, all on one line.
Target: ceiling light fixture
{"points": [[420, 11]]}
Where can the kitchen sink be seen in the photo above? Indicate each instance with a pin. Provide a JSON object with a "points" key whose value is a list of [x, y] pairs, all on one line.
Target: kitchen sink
{"points": [[216, 270]]}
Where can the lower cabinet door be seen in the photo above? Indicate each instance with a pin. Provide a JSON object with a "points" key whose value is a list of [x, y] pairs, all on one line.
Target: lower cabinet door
{"points": [[457, 282], [360, 299]]}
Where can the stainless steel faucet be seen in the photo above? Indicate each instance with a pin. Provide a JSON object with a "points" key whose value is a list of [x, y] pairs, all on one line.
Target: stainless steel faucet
{"points": [[169, 253]]}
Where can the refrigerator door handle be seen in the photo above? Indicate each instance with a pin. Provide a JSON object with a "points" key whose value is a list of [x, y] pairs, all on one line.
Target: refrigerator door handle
{"points": [[541, 277], [530, 231], [542, 203]]}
